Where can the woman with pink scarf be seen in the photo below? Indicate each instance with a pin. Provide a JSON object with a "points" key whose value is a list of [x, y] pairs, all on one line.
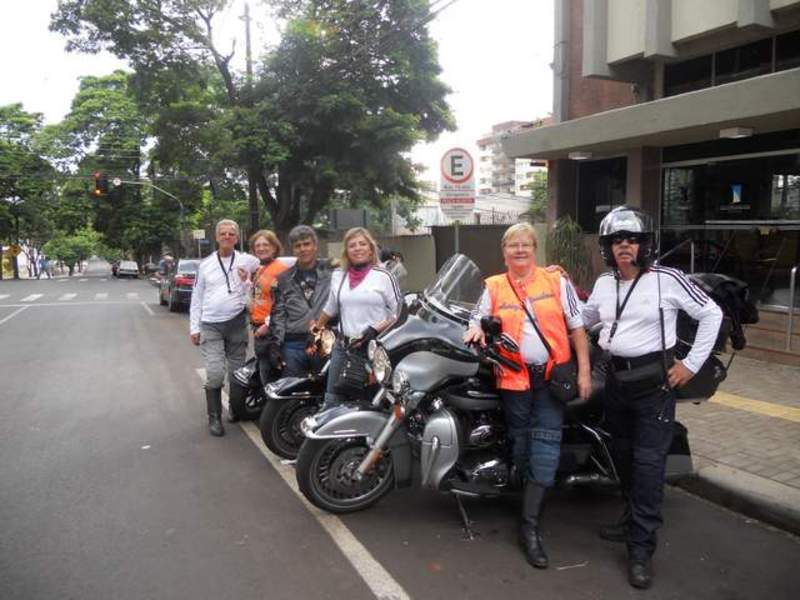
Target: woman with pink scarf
{"points": [[365, 297]]}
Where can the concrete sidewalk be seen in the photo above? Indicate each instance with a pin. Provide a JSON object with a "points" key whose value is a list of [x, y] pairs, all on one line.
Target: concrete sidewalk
{"points": [[746, 442]]}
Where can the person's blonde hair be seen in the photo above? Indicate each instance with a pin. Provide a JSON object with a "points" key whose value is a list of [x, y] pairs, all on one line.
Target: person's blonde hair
{"points": [[520, 229], [270, 237], [355, 232]]}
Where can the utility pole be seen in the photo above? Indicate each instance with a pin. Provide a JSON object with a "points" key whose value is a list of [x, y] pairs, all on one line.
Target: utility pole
{"points": [[252, 190]]}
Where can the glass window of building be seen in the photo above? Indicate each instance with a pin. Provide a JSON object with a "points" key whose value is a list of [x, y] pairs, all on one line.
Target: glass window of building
{"points": [[686, 76], [743, 62], [601, 187], [787, 51]]}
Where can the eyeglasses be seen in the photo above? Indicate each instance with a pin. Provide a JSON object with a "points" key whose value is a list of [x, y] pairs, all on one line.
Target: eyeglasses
{"points": [[630, 239], [519, 246]]}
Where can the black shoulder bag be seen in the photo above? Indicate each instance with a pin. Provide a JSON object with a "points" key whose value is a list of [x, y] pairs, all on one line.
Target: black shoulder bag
{"points": [[563, 383], [354, 375]]}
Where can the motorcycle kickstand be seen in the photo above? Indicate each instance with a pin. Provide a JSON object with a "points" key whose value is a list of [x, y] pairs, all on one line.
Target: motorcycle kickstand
{"points": [[469, 533]]}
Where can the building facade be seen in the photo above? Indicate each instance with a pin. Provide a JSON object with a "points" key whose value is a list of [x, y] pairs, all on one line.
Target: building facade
{"points": [[497, 172], [690, 110]]}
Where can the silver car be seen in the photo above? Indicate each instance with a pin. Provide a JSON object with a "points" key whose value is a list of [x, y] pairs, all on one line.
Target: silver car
{"points": [[128, 268]]}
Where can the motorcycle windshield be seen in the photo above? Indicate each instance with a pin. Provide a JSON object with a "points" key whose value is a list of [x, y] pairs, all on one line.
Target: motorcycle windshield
{"points": [[457, 287]]}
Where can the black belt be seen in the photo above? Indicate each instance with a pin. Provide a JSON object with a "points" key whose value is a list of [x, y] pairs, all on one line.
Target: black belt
{"points": [[622, 363], [537, 368]]}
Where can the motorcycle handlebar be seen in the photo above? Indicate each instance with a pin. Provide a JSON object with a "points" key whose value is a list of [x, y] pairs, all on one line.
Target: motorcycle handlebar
{"points": [[492, 355]]}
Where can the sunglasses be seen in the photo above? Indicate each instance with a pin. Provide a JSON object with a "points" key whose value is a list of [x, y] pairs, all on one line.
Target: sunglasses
{"points": [[629, 238]]}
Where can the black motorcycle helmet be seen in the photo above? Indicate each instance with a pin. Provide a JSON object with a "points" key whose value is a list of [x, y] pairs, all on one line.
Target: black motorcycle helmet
{"points": [[624, 220]]}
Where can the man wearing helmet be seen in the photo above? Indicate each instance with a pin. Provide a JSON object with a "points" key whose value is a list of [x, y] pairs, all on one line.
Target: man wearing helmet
{"points": [[637, 304]]}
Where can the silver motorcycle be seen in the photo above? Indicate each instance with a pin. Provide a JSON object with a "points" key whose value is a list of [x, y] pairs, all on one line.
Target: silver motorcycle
{"points": [[436, 408]]}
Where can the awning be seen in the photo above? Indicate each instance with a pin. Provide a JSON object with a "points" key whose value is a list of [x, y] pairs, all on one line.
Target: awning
{"points": [[766, 103]]}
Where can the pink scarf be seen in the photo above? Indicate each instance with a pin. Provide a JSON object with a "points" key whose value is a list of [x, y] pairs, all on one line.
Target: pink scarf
{"points": [[357, 273]]}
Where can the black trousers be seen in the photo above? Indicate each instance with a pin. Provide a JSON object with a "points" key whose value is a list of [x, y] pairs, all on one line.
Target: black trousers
{"points": [[641, 421]]}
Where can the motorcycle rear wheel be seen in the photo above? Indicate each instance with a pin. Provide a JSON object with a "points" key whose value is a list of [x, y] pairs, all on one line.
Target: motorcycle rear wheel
{"points": [[244, 403], [324, 475], [279, 424]]}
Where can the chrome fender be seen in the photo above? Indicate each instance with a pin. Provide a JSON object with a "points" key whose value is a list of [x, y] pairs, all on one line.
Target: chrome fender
{"points": [[342, 422]]}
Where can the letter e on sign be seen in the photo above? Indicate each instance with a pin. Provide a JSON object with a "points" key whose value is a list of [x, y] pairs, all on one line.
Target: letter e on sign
{"points": [[457, 166]]}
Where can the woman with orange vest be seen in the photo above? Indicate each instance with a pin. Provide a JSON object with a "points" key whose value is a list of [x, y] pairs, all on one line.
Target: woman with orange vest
{"points": [[266, 246], [533, 303]]}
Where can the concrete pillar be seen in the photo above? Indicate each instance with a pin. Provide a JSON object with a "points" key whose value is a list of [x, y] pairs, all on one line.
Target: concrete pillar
{"points": [[643, 182], [562, 193]]}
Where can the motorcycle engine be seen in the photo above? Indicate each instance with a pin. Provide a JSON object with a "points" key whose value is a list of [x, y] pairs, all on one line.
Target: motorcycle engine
{"points": [[482, 431], [485, 468]]}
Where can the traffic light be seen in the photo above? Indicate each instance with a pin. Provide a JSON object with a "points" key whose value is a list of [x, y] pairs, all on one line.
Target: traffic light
{"points": [[100, 184]]}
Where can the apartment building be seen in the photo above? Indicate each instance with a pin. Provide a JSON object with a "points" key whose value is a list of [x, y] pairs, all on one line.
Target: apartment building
{"points": [[497, 172]]}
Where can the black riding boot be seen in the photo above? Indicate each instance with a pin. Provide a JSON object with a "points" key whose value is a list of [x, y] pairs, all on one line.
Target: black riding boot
{"points": [[529, 533], [214, 406]]}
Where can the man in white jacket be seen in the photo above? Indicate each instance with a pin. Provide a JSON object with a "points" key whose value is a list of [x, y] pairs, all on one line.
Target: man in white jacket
{"points": [[218, 315]]}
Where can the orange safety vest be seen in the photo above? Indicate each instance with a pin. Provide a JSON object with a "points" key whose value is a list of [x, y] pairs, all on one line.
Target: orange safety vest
{"points": [[263, 281], [544, 291]]}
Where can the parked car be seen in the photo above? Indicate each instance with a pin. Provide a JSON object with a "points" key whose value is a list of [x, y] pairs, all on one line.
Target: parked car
{"points": [[128, 268], [175, 289]]}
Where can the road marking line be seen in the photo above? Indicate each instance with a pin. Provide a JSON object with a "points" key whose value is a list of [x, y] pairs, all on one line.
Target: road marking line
{"points": [[377, 578], [82, 280], [132, 295], [12, 315], [101, 296], [67, 297], [759, 407], [62, 280], [148, 309], [103, 279], [3, 296], [120, 302], [31, 298]]}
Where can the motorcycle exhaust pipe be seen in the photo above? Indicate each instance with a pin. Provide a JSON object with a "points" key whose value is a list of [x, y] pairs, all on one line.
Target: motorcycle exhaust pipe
{"points": [[375, 453], [589, 479]]}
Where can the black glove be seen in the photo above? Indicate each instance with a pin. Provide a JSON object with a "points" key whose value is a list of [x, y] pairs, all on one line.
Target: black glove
{"points": [[370, 333], [275, 358]]}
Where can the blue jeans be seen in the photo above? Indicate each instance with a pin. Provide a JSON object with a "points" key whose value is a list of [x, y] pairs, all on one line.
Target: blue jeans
{"points": [[534, 422], [334, 370], [298, 363]]}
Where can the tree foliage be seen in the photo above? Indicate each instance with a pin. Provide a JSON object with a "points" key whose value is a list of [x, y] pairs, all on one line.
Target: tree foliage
{"points": [[350, 88]]}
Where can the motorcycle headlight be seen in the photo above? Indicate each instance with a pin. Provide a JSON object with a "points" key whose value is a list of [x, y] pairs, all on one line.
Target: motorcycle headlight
{"points": [[399, 382], [381, 365], [371, 347]]}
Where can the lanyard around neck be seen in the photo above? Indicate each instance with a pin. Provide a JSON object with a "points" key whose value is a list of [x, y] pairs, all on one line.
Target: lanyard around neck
{"points": [[224, 272], [621, 307]]}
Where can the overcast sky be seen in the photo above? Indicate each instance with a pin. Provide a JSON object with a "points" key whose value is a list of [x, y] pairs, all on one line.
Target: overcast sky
{"points": [[494, 54]]}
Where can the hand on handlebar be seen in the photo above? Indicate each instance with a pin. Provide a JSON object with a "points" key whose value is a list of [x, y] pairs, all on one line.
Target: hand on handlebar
{"points": [[475, 335]]}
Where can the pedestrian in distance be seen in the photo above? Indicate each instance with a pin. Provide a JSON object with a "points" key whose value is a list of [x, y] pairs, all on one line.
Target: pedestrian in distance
{"points": [[538, 308], [366, 299], [218, 315], [299, 294], [637, 304], [266, 246]]}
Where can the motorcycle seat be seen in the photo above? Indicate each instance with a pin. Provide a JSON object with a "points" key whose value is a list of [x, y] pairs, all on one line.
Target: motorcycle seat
{"points": [[474, 400]]}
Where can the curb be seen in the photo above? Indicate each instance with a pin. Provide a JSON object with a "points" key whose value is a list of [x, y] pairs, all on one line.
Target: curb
{"points": [[758, 497]]}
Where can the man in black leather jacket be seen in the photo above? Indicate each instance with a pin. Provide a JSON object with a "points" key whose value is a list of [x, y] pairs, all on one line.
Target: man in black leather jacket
{"points": [[299, 295]]}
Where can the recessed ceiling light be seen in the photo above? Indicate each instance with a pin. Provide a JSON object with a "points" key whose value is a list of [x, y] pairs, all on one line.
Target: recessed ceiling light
{"points": [[579, 155], [735, 133]]}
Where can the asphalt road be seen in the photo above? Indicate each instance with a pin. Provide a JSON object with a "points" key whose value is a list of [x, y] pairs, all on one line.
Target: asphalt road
{"points": [[110, 487]]}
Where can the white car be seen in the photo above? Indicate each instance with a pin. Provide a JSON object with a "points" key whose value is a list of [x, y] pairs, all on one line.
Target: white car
{"points": [[128, 268]]}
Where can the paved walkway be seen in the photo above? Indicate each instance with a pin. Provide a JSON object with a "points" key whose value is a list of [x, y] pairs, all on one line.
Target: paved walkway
{"points": [[749, 433]]}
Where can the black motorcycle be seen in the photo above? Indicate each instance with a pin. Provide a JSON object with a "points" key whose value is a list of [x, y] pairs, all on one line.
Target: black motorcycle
{"points": [[437, 408], [246, 398]]}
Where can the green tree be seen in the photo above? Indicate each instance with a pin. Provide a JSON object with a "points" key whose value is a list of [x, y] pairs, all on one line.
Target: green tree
{"points": [[27, 182], [537, 211], [73, 248], [351, 87]]}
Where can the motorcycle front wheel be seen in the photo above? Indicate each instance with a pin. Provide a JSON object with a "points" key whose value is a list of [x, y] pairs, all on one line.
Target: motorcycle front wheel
{"points": [[325, 470], [245, 403], [280, 421]]}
